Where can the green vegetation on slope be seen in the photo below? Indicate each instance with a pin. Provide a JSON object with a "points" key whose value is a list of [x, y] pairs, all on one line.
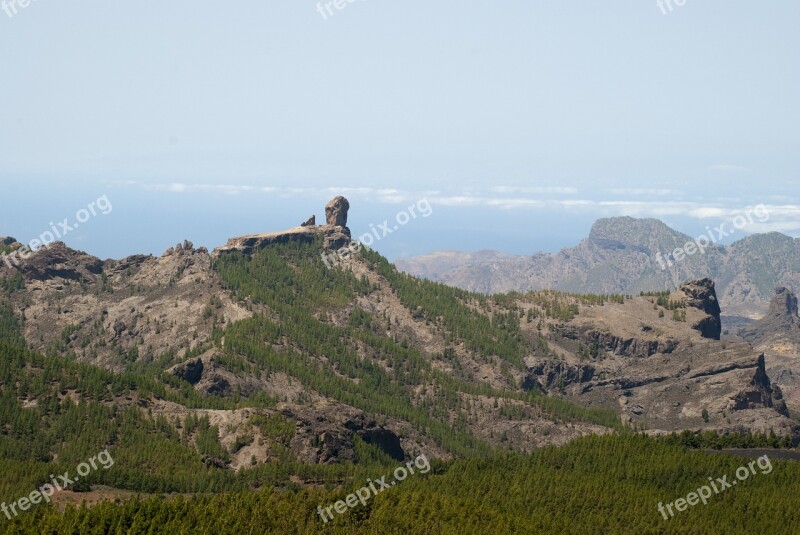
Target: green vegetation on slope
{"points": [[56, 413], [300, 294], [610, 484]]}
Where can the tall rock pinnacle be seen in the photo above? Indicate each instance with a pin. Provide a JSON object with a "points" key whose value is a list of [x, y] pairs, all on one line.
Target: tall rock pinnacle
{"points": [[336, 211]]}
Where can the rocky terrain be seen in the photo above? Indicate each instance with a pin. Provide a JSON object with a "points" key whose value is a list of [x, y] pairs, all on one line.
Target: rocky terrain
{"points": [[664, 370], [659, 361], [777, 334], [620, 255]]}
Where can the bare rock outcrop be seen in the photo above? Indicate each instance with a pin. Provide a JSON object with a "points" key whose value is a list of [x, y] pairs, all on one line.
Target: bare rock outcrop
{"points": [[59, 261], [371, 433], [335, 233], [190, 371], [762, 393], [336, 238], [215, 384], [781, 321], [702, 295], [549, 374], [336, 211], [628, 346]]}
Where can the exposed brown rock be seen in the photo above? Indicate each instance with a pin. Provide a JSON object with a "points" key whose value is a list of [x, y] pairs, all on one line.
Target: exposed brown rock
{"points": [[336, 212], [550, 374], [191, 370], [761, 394], [214, 384], [781, 322], [702, 295], [255, 242], [335, 233], [59, 261], [336, 238], [140, 305]]}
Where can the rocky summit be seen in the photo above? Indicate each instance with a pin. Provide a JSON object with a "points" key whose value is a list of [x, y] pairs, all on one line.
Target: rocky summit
{"points": [[334, 233]]}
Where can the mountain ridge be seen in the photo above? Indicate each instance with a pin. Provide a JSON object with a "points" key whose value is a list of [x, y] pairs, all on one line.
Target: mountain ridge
{"points": [[629, 255], [261, 366]]}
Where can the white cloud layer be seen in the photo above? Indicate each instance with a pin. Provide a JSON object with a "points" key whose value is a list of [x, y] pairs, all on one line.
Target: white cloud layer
{"points": [[784, 217]]}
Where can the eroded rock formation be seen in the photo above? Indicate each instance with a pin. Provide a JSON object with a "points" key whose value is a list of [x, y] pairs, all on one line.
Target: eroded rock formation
{"points": [[702, 295], [335, 233], [336, 212]]}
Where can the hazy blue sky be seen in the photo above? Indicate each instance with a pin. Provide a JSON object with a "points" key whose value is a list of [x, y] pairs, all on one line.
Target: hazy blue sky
{"points": [[521, 121]]}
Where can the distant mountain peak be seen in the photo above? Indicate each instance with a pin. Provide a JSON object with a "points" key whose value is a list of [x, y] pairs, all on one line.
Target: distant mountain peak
{"points": [[630, 230], [630, 255], [646, 236]]}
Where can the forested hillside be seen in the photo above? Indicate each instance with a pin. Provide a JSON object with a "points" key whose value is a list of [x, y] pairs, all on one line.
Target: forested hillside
{"points": [[298, 383], [597, 485]]}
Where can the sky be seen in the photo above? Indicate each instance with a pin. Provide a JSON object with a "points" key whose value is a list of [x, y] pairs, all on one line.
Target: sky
{"points": [[520, 122]]}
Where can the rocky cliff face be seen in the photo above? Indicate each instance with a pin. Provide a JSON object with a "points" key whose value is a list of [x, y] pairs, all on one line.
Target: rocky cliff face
{"points": [[702, 295], [661, 369], [777, 335], [780, 322]]}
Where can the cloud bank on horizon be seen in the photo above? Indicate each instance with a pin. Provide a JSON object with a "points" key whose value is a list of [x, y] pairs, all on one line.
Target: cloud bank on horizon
{"points": [[610, 202]]}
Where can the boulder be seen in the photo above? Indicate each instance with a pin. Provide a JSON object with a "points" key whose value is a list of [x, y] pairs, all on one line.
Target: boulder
{"points": [[336, 211]]}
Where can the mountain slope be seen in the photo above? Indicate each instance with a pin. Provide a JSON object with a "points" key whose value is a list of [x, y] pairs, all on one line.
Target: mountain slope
{"points": [[257, 366], [627, 255], [365, 349]]}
